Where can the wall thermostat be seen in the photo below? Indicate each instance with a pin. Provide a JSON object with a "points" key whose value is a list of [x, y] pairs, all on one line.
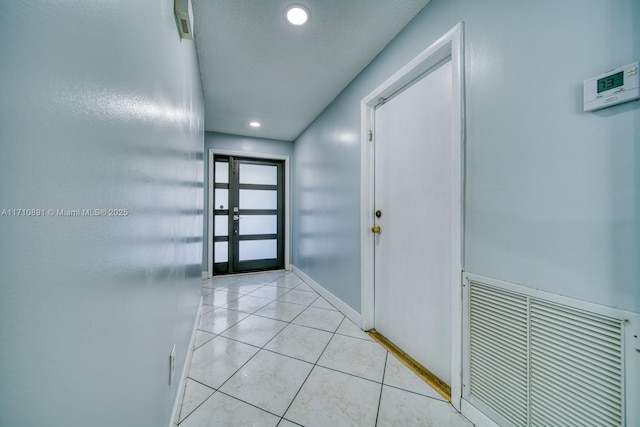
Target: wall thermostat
{"points": [[612, 88]]}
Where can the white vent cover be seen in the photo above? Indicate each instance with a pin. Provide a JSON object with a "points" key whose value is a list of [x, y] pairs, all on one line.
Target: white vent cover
{"points": [[534, 362], [184, 18], [576, 367], [499, 366]]}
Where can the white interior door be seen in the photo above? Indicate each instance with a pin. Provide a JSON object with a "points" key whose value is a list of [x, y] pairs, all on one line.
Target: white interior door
{"points": [[413, 192]]}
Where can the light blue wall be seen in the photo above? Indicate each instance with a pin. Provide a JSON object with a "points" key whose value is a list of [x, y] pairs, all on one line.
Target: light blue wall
{"points": [[244, 144], [552, 193], [101, 108], [326, 199]]}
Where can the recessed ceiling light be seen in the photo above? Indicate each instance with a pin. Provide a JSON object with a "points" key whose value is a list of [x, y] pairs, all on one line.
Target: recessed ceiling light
{"points": [[254, 124], [297, 14]]}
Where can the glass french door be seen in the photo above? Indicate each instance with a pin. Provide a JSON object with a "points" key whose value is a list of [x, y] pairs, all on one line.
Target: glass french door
{"points": [[248, 215]]}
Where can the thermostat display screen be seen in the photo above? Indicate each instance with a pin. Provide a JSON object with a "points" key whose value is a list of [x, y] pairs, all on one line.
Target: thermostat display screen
{"points": [[611, 82], [611, 88]]}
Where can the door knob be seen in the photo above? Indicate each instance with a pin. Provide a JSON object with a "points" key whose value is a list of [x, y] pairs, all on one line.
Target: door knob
{"points": [[376, 229]]}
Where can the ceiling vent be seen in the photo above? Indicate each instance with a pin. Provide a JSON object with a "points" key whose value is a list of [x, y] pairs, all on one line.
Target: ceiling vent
{"points": [[184, 18]]}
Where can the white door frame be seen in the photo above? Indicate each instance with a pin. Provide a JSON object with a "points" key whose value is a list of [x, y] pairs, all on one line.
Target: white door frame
{"points": [[450, 45], [287, 205]]}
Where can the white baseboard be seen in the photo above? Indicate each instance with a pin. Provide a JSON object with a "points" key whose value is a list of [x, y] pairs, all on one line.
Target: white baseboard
{"points": [[334, 300], [473, 414], [175, 413], [205, 275]]}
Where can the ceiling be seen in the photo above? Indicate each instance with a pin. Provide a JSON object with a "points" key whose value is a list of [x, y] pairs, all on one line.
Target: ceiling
{"points": [[255, 66]]}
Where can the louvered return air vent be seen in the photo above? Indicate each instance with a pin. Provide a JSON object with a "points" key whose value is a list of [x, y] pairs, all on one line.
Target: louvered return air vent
{"points": [[531, 361], [576, 367], [499, 351]]}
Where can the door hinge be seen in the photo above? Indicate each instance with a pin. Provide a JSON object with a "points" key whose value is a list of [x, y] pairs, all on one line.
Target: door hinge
{"points": [[370, 135]]}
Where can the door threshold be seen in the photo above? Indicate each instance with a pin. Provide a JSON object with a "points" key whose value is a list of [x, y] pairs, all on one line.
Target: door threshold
{"points": [[425, 375], [252, 272]]}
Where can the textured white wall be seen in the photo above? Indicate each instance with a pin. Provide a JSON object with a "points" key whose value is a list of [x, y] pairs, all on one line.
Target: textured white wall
{"points": [[552, 193], [101, 108]]}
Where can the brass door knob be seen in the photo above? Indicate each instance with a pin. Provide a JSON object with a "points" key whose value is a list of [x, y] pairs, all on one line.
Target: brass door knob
{"points": [[376, 229]]}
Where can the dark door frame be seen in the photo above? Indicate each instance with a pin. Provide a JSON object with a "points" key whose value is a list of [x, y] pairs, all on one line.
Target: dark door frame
{"points": [[210, 190], [235, 212]]}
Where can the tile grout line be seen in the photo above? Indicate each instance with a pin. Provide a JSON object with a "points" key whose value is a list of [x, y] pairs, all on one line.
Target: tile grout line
{"points": [[291, 322], [244, 364], [441, 399], [220, 335], [384, 371], [195, 348], [264, 317], [201, 403], [216, 390], [229, 326], [248, 403], [315, 364], [311, 370], [272, 299], [260, 349], [423, 373], [332, 369], [316, 329]]}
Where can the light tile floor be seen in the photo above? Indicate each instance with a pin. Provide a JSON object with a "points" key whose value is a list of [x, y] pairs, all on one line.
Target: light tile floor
{"points": [[269, 351]]}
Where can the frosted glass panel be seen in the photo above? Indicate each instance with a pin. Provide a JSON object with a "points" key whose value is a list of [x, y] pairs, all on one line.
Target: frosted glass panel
{"points": [[222, 173], [258, 199], [258, 224], [258, 174], [221, 225], [220, 251], [258, 249], [221, 199]]}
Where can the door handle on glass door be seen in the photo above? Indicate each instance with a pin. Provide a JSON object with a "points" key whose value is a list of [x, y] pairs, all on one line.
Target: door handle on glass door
{"points": [[376, 229]]}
